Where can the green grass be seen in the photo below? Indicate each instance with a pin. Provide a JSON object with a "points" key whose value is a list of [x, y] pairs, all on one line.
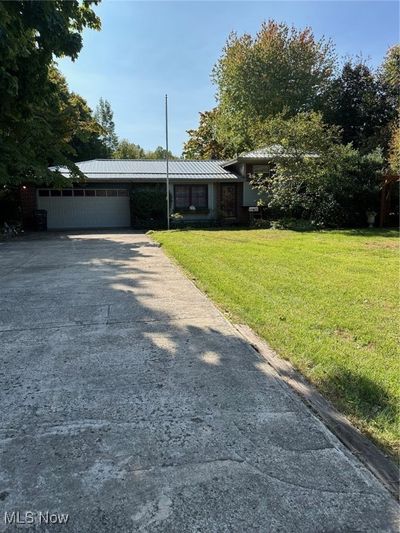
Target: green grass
{"points": [[327, 301]]}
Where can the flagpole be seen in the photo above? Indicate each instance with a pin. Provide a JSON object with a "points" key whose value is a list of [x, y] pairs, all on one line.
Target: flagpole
{"points": [[166, 155]]}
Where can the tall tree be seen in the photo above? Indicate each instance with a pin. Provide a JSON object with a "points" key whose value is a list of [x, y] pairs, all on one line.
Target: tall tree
{"points": [[394, 151], [86, 141], [57, 134], [280, 69], [390, 78], [390, 71], [32, 106], [203, 142], [359, 102], [105, 117]]}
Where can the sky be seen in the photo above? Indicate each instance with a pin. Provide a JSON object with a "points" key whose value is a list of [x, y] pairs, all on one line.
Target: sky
{"points": [[148, 49]]}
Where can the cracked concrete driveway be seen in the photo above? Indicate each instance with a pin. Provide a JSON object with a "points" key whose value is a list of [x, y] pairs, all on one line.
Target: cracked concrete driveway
{"points": [[130, 403]]}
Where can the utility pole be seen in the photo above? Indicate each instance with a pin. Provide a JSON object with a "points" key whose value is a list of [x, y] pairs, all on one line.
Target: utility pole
{"points": [[166, 155]]}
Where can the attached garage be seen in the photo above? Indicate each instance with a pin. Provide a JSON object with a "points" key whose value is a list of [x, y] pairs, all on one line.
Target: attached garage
{"points": [[85, 208]]}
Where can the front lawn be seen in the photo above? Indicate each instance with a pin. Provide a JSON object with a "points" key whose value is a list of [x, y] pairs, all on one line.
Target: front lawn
{"points": [[327, 301]]}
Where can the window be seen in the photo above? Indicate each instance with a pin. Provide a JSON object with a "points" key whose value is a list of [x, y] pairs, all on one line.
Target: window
{"points": [[182, 196], [187, 195], [199, 196], [264, 170], [83, 192]]}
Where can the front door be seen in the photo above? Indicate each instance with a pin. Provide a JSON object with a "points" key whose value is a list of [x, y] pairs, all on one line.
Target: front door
{"points": [[228, 200]]}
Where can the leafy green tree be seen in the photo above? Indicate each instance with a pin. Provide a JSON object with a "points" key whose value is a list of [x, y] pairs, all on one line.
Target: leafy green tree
{"points": [[315, 177], [62, 124], [159, 153], [105, 117], [361, 105], [390, 78], [35, 124], [128, 150], [394, 151], [281, 69], [390, 71], [203, 142], [86, 141]]}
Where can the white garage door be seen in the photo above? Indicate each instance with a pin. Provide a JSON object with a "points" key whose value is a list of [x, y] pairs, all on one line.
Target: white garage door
{"points": [[85, 208]]}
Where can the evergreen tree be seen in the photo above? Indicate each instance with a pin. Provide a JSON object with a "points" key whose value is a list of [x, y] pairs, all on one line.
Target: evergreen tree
{"points": [[105, 117]]}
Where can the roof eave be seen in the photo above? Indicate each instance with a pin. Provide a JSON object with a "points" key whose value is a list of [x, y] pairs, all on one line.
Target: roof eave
{"points": [[159, 178], [230, 163]]}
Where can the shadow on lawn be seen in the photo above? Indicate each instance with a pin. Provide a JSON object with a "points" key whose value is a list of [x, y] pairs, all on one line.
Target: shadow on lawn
{"points": [[360, 396], [369, 232]]}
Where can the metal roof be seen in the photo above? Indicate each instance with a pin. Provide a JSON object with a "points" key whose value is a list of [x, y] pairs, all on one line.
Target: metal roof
{"points": [[274, 151], [151, 170], [265, 153]]}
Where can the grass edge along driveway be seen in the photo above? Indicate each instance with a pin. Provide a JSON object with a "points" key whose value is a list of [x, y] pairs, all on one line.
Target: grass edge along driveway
{"points": [[327, 301]]}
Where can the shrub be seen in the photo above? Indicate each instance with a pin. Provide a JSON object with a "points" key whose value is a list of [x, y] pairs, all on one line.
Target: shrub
{"points": [[148, 206]]}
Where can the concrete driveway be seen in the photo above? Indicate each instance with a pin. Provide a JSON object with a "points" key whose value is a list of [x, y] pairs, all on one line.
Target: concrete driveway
{"points": [[131, 404]]}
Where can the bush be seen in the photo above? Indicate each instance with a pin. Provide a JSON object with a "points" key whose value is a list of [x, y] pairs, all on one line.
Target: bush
{"points": [[261, 223], [148, 206]]}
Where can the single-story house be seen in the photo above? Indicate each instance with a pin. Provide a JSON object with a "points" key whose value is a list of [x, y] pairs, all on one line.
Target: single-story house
{"points": [[199, 191]]}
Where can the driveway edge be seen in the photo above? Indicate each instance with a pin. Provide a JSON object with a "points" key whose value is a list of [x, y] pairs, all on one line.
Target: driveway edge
{"points": [[383, 468]]}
